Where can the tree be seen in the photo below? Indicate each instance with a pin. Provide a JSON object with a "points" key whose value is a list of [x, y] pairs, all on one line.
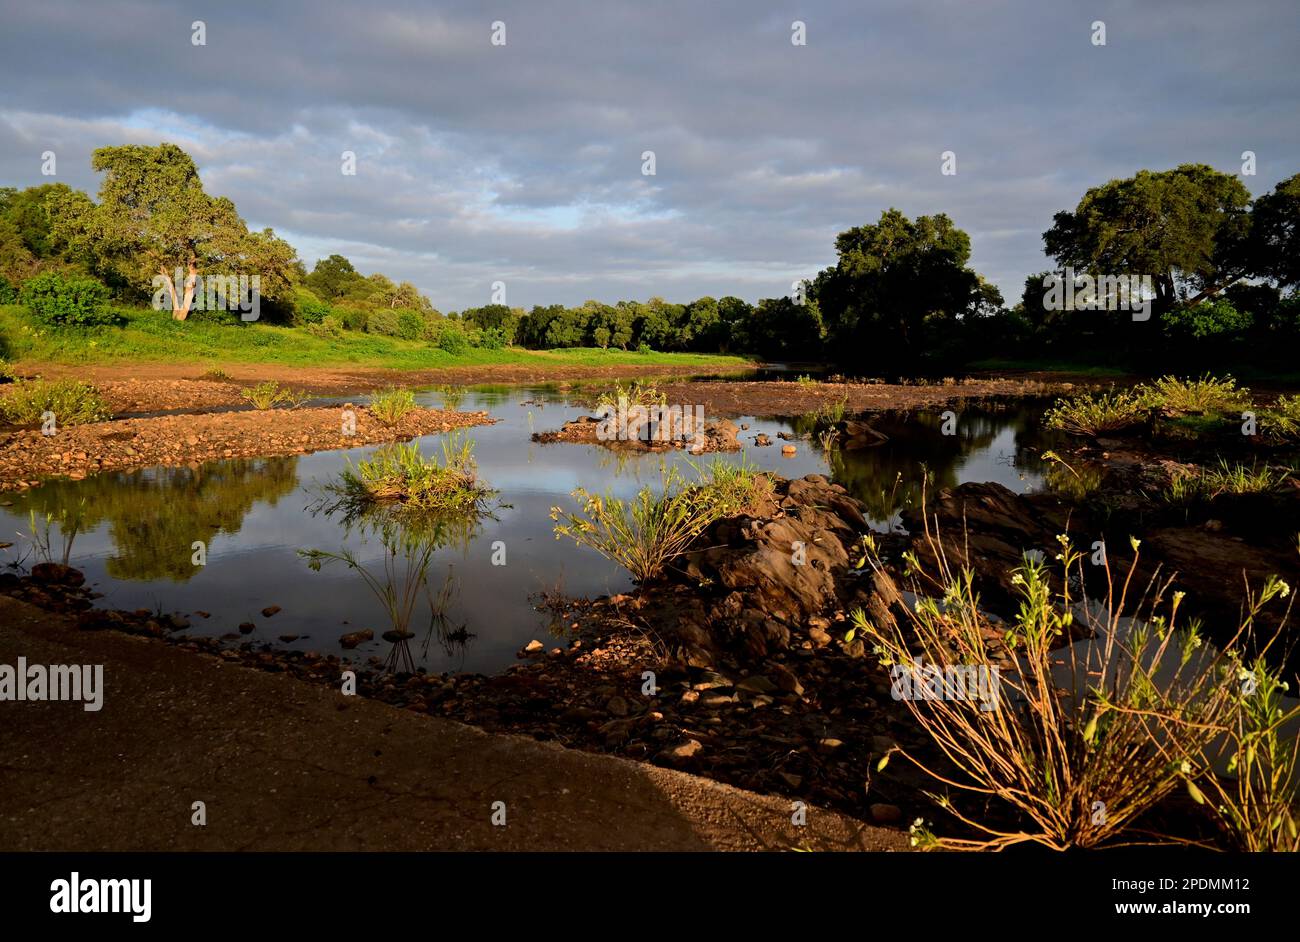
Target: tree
{"points": [[332, 277], [1186, 228], [896, 286], [1275, 234], [153, 219]]}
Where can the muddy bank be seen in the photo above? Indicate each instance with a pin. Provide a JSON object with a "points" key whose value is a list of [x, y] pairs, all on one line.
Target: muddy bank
{"points": [[733, 399], [27, 456], [159, 387]]}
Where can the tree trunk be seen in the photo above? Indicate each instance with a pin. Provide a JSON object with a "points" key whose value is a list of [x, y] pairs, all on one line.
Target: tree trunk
{"points": [[182, 312]]}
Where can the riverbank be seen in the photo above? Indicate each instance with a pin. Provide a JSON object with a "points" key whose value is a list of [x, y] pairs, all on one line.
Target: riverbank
{"points": [[281, 765]]}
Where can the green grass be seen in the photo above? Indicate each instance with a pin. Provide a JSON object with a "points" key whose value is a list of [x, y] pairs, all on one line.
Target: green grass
{"points": [[153, 336], [269, 394], [1224, 478], [391, 405], [1095, 414], [1196, 396], [648, 531], [70, 402], [401, 474]]}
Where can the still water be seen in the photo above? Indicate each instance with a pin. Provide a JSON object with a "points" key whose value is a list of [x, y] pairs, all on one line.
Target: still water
{"points": [[255, 516]]}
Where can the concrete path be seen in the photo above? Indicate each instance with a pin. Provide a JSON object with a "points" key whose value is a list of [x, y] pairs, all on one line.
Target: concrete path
{"points": [[284, 765]]}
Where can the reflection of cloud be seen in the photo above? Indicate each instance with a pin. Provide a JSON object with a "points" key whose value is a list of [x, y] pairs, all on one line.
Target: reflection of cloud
{"points": [[522, 163]]}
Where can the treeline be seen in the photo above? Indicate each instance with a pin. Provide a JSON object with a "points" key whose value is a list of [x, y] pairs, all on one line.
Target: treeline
{"points": [[1222, 272]]}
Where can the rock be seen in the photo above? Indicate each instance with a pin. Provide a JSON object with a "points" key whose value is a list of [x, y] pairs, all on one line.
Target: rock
{"points": [[288, 639], [829, 745], [762, 440], [785, 679], [683, 750], [246, 627], [57, 574], [617, 706], [756, 683], [794, 781], [352, 639], [270, 610], [532, 647], [393, 636], [882, 813], [788, 451]]}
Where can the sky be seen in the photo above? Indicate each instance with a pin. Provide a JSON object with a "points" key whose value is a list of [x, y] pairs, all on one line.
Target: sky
{"points": [[522, 162]]}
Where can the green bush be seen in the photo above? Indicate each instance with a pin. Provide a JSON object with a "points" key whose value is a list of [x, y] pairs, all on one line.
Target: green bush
{"points": [[1215, 318], [331, 328], [71, 402], [494, 338], [354, 318], [454, 339], [7, 293], [391, 404], [384, 322], [410, 324], [308, 309], [67, 300]]}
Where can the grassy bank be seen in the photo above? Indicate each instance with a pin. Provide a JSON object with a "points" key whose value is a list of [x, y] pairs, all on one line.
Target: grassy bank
{"points": [[147, 336]]}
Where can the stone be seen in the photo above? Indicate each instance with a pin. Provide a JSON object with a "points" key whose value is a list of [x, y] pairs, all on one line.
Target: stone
{"points": [[882, 813]]}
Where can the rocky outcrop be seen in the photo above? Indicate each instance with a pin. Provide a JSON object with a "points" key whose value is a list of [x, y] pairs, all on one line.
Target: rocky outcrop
{"points": [[719, 435]]}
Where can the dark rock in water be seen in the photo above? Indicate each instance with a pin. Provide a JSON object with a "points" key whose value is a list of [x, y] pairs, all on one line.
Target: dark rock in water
{"points": [[352, 639], [246, 627], [56, 574], [761, 439], [270, 610], [393, 636]]}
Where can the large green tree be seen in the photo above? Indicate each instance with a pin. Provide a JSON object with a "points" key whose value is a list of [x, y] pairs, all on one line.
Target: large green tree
{"points": [[154, 219], [1275, 234], [1186, 228], [897, 285]]}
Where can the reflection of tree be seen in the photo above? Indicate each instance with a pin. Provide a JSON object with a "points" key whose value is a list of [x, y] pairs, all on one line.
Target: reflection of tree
{"points": [[155, 516], [889, 477]]}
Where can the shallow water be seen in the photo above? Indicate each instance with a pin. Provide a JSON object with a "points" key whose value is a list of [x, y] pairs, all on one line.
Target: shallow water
{"points": [[256, 515]]}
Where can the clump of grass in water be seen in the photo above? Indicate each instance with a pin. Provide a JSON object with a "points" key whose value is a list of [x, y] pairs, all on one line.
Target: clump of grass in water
{"points": [[391, 405], [1127, 737], [269, 394], [400, 474], [1195, 396], [1224, 478], [71, 402], [635, 393], [645, 533], [1096, 414]]}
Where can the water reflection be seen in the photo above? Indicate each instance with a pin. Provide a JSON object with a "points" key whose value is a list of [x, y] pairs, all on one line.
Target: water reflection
{"points": [[474, 606]]}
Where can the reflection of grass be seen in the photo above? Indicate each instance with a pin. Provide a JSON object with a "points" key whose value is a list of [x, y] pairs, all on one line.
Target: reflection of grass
{"points": [[398, 588], [69, 520], [1064, 478]]}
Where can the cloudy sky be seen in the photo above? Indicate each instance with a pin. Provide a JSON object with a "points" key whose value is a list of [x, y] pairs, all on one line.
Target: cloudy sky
{"points": [[522, 162]]}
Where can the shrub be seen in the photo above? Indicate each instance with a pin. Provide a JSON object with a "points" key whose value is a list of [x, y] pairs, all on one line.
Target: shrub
{"points": [[454, 339], [308, 309], [390, 405], [635, 393], [1095, 414], [1208, 319], [410, 324], [645, 533], [383, 322], [1283, 420], [7, 293], [70, 401], [269, 394], [494, 338], [67, 300], [354, 318], [643, 348], [400, 473], [331, 328], [1137, 714], [1197, 396]]}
